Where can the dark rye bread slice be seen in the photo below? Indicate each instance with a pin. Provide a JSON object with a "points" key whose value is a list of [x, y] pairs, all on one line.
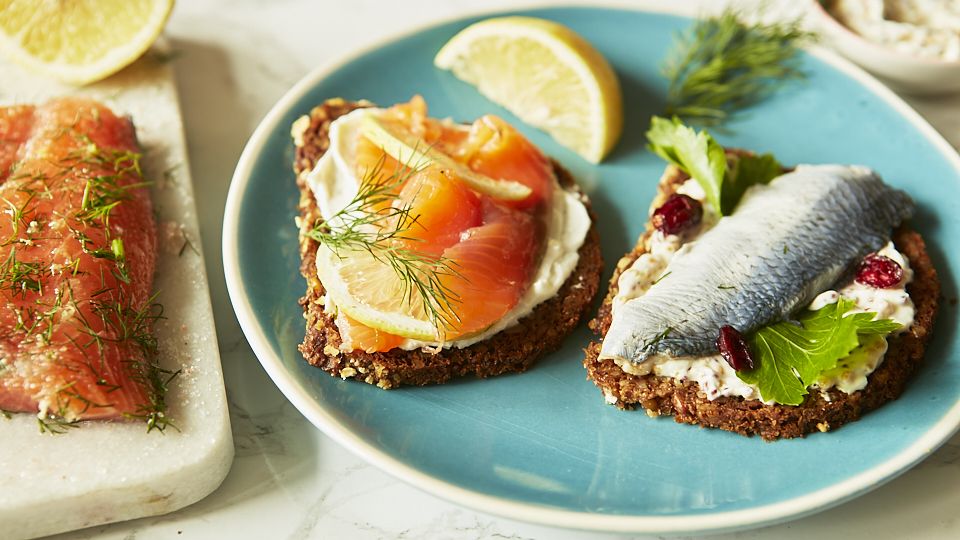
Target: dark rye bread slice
{"points": [[688, 404], [512, 350]]}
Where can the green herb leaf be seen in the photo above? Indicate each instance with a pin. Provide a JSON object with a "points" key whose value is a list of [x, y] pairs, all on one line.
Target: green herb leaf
{"points": [[746, 171], [697, 154], [789, 357], [857, 359], [722, 65], [701, 156]]}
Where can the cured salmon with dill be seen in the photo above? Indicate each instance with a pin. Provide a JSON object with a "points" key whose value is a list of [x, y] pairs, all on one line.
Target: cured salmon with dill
{"points": [[78, 250], [472, 253]]}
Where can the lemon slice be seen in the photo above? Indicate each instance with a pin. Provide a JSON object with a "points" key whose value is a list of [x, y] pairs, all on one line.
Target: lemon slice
{"points": [[404, 149], [544, 73], [79, 41], [371, 293]]}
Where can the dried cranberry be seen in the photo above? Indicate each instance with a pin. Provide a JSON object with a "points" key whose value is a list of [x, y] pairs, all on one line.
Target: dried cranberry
{"points": [[678, 214], [879, 271], [734, 349]]}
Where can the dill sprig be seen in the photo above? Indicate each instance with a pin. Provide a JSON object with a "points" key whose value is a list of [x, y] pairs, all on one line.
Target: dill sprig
{"points": [[101, 195], [377, 222], [186, 244], [649, 343], [17, 214], [19, 277], [55, 425], [158, 380], [723, 65]]}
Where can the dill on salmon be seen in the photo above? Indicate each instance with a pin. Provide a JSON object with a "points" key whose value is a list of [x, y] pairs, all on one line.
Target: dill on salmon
{"points": [[78, 251]]}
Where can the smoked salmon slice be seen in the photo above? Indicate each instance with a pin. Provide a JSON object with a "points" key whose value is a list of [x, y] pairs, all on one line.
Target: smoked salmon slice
{"points": [[15, 125], [78, 249], [493, 245]]}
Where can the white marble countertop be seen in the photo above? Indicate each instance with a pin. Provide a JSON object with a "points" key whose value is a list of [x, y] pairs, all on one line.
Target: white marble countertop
{"points": [[235, 59]]}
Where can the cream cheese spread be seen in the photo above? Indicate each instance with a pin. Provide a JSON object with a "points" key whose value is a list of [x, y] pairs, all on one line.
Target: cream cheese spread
{"points": [[649, 267], [926, 28], [889, 303], [334, 184], [713, 374]]}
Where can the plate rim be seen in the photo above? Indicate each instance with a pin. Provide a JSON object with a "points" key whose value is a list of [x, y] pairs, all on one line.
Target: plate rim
{"points": [[757, 516]]}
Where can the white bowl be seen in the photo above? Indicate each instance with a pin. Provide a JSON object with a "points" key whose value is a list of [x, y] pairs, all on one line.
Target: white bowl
{"points": [[901, 71]]}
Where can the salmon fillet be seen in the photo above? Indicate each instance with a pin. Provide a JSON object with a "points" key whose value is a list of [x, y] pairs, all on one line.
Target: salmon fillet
{"points": [[78, 249]]}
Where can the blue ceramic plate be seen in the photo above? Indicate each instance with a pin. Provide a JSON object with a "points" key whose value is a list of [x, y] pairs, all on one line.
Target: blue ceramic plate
{"points": [[543, 446]]}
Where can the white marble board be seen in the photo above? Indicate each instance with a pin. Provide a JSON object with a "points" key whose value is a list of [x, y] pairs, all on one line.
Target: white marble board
{"points": [[102, 472]]}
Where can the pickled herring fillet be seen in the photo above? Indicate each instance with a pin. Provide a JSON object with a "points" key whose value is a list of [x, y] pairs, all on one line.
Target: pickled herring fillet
{"points": [[78, 249], [785, 243]]}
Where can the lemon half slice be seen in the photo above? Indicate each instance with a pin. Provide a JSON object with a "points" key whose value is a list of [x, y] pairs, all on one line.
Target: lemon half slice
{"points": [[372, 293], [79, 41], [544, 73], [404, 149]]}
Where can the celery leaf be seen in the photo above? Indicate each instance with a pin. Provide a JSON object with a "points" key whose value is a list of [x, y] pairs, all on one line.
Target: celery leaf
{"points": [[790, 356], [746, 171], [696, 154], [701, 156]]}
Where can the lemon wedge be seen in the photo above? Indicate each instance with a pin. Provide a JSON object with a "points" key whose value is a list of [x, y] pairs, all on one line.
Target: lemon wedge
{"points": [[544, 73], [79, 41], [403, 148]]}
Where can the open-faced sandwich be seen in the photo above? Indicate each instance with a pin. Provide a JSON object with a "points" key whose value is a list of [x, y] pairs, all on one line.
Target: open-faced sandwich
{"points": [[433, 249], [761, 300]]}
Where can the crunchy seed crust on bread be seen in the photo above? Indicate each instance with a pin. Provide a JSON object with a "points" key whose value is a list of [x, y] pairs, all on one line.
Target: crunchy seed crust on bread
{"points": [[688, 404], [512, 350]]}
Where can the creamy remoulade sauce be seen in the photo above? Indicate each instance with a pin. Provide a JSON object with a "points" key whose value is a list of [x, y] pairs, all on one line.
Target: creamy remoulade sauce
{"points": [[334, 183], [925, 28], [713, 374]]}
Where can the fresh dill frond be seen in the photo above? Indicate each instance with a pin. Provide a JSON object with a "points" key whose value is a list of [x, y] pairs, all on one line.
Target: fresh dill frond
{"points": [[55, 425], [723, 65], [187, 244], [19, 277], [127, 324], [158, 380], [377, 222], [649, 343], [17, 214], [422, 279]]}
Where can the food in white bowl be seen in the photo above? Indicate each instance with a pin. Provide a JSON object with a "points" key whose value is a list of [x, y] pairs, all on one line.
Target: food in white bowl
{"points": [[913, 45]]}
